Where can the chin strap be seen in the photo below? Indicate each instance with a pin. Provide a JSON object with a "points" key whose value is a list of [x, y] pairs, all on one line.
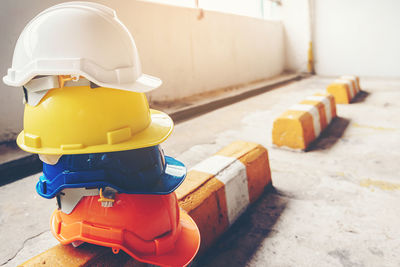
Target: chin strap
{"points": [[36, 89], [107, 197], [68, 198], [66, 78]]}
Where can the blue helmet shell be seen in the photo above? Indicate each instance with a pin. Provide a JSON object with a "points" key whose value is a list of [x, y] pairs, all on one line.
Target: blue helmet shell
{"points": [[138, 171]]}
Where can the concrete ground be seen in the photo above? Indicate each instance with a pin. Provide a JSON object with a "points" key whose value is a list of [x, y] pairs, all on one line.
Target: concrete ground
{"points": [[336, 205]]}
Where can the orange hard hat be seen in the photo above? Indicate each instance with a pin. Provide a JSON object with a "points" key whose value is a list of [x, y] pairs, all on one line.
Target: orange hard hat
{"points": [[150, 228]]}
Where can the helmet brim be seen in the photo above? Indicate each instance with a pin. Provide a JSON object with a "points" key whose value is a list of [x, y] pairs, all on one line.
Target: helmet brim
{"points": [[186, 247], [144, 83], [159, 129], [173, 176]]}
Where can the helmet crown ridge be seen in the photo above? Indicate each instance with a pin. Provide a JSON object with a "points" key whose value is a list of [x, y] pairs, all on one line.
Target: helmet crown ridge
{"points": [[109, 12]]}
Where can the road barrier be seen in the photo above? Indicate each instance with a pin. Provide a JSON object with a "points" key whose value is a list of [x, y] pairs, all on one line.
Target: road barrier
{"points": [[344, 89], [302, 123]]}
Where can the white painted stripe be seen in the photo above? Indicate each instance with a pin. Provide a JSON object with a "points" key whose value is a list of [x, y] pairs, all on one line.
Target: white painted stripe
{"points": [[232, 173], [351, 78], [349, 83], [214, 164], [314, 113], [236, 189], [348, 77], [327, 105]]}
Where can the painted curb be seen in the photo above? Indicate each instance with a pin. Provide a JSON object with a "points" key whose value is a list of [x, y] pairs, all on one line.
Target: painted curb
{"points": [[215, 193], [344, 89], [219, 189], [301, 124]]}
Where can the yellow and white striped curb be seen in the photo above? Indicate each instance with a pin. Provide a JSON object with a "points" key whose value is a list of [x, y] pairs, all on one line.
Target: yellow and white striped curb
{"points": [[232, 173], [344, 89], [327, 105], [219, 189], [350, 85], [302, 123], [355, 80]]}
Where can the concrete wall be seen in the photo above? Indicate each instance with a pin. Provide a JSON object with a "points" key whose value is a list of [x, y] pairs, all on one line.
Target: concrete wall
{"points": [[191, 56], [296, 21], [357, 37]]}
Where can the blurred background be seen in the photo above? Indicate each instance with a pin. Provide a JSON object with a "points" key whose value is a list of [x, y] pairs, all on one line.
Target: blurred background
{"points": [[197, 46]]}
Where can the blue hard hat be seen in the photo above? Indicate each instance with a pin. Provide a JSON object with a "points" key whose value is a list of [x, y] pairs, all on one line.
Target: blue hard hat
{"points": [[138, 171]]}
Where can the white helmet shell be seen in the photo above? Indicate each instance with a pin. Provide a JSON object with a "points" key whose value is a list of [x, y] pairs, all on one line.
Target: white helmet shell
{"points": [[81, 39]]}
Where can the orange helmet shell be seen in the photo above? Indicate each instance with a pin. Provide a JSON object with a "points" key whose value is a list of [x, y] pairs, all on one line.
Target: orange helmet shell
{"points": [[150, 228]]}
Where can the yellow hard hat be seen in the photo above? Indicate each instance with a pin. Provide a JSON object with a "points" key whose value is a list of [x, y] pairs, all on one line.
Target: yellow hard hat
{"points": [[81, 120]]}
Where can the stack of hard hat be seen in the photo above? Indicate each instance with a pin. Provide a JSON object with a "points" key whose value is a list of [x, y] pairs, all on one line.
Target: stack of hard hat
{"points": [[87, 117]]}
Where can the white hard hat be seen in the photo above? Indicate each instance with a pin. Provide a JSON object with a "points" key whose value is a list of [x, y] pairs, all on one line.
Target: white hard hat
{"points": [[79, 39]]}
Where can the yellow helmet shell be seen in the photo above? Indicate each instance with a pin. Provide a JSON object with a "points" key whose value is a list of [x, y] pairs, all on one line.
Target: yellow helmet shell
{"points": [[80, 120]]}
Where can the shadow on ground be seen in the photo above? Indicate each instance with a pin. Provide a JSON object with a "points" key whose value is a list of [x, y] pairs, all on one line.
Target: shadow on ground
{"points": [[18, 169], [330, 135], [360, 97], [241, 241]]}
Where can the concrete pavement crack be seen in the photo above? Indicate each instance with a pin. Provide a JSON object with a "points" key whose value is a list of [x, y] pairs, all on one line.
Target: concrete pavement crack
{"points": [[22, 247]]}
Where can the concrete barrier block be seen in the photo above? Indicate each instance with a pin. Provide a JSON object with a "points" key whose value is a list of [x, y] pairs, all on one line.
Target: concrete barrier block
{"points": [[301, 124], [344, 89], [355, 80], [219, 189]]}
